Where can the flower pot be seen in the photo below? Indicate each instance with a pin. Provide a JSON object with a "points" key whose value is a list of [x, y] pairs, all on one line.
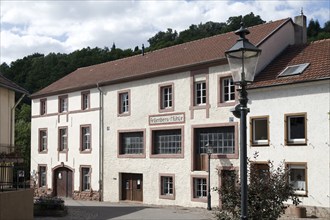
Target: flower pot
{"points": [[299, 211]]}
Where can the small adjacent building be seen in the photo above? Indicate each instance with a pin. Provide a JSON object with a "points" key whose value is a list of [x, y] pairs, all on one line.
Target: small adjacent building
{"points": [[150, 117], [289, 120], [8, 153]]}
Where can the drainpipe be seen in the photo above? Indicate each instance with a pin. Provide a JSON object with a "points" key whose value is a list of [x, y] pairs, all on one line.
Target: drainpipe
{"points": [[101, 142], [12, 121]]}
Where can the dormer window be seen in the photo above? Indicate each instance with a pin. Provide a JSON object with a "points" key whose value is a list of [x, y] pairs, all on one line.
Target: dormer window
{"points": [[294, 70]]}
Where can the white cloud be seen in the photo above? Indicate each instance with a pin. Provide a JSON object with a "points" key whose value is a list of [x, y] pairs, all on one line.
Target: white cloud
{"points": [[64, 26]]}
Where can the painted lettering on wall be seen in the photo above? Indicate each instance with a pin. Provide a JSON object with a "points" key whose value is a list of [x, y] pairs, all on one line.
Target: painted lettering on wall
{"points": [[166, 119]]}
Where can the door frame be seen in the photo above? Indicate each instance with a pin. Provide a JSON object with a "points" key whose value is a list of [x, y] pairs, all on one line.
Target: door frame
{"points": [[54, 184], [131, 177]]}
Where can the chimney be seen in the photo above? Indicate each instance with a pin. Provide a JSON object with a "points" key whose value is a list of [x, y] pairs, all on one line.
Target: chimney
{"points": [[142, 49], [300, 29]]}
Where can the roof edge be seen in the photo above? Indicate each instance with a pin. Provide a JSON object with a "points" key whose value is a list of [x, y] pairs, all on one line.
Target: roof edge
{"points": [[173, 70], [290, 83]]}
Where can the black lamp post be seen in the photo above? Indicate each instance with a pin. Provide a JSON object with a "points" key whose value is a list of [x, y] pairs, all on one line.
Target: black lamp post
{"points": [[243, 58], [209, 151]]}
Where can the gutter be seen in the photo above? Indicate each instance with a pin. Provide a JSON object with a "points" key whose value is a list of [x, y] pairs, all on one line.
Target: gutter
{"points": [[12, 121], [101, 143]]}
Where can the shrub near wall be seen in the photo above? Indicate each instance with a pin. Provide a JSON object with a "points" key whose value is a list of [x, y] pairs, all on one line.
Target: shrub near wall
{"points": [[50, 206]]}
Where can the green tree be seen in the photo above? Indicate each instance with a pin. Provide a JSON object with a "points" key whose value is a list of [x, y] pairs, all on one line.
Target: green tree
{"points": [[313, 28], [23, 132], [315, 32], [266, 193], [163, 39]]}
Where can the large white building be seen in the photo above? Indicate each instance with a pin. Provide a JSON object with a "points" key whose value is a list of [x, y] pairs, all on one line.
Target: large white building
{"points": [[149, 119]]}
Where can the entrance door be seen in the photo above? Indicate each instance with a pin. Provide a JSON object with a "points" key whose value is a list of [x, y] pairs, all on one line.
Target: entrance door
{"points": [[63, 182], [132, 187]]}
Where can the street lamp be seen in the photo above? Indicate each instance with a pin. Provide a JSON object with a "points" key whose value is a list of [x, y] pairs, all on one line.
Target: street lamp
{"points": [[243, 58], [209, 151]]}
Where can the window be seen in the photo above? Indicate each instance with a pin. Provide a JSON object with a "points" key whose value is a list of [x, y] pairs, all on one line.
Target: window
{"points": [[43, 106], [227, 90], [259, 131], [166, 97], [63, 104], [124, 107], [200, 93], [167, 141], [294, 70], [85, 138], [85, 103], [131, 143], [199, 188], [260, 169], [296, 129], [63, 139], [85, 178], [222, 139], [43, 140], [167, 186], [298, 178], [42, 176], [228, 178]]}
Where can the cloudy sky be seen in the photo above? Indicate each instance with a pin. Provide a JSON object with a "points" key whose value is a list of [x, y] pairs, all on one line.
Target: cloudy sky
{"points": [[59, 26]]}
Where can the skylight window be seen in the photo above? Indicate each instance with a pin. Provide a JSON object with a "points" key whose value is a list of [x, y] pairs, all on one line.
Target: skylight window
{"points": [[294, 70]]}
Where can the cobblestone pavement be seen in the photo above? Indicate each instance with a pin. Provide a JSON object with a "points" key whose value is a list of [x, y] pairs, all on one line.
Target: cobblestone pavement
{"points": [[91, 210]]}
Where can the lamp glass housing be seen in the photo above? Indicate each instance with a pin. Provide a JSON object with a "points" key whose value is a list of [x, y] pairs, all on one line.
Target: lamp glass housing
{"points": [[209, 149], [243, 65]]}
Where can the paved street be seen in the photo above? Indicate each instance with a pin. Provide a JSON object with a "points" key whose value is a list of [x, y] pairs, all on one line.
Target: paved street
{"points": [[91, 210]]}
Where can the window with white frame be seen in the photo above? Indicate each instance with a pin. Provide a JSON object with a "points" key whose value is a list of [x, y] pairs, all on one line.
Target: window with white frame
{"points": [[42, 176], [85, 178], [167, 141], [222, 139], [85, 138], [298, 178], [259, 131], [42, 140], [227, 90], [167, 186], [200, 93], [63, 104], [296, 129], [199, 187], [294, 70], [131, 143], [124, 103], [63, 139], [166, 97], [85, 100]]}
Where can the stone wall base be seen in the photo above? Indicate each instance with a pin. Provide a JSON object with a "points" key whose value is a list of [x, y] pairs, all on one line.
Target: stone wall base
{"points": [[308, 211], [38, 192], [86, 195]]}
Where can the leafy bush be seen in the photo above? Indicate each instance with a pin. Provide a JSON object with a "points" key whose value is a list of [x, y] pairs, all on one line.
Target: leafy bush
{"points": [[49, 206], [266, 193]]}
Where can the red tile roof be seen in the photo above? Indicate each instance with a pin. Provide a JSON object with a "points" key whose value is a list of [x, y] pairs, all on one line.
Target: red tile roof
{"points": [[4, 82], [317, 54], [164, 61]]}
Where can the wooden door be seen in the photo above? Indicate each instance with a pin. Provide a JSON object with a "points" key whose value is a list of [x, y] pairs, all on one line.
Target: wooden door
{"points": [[63, 182], [132, 187]]}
